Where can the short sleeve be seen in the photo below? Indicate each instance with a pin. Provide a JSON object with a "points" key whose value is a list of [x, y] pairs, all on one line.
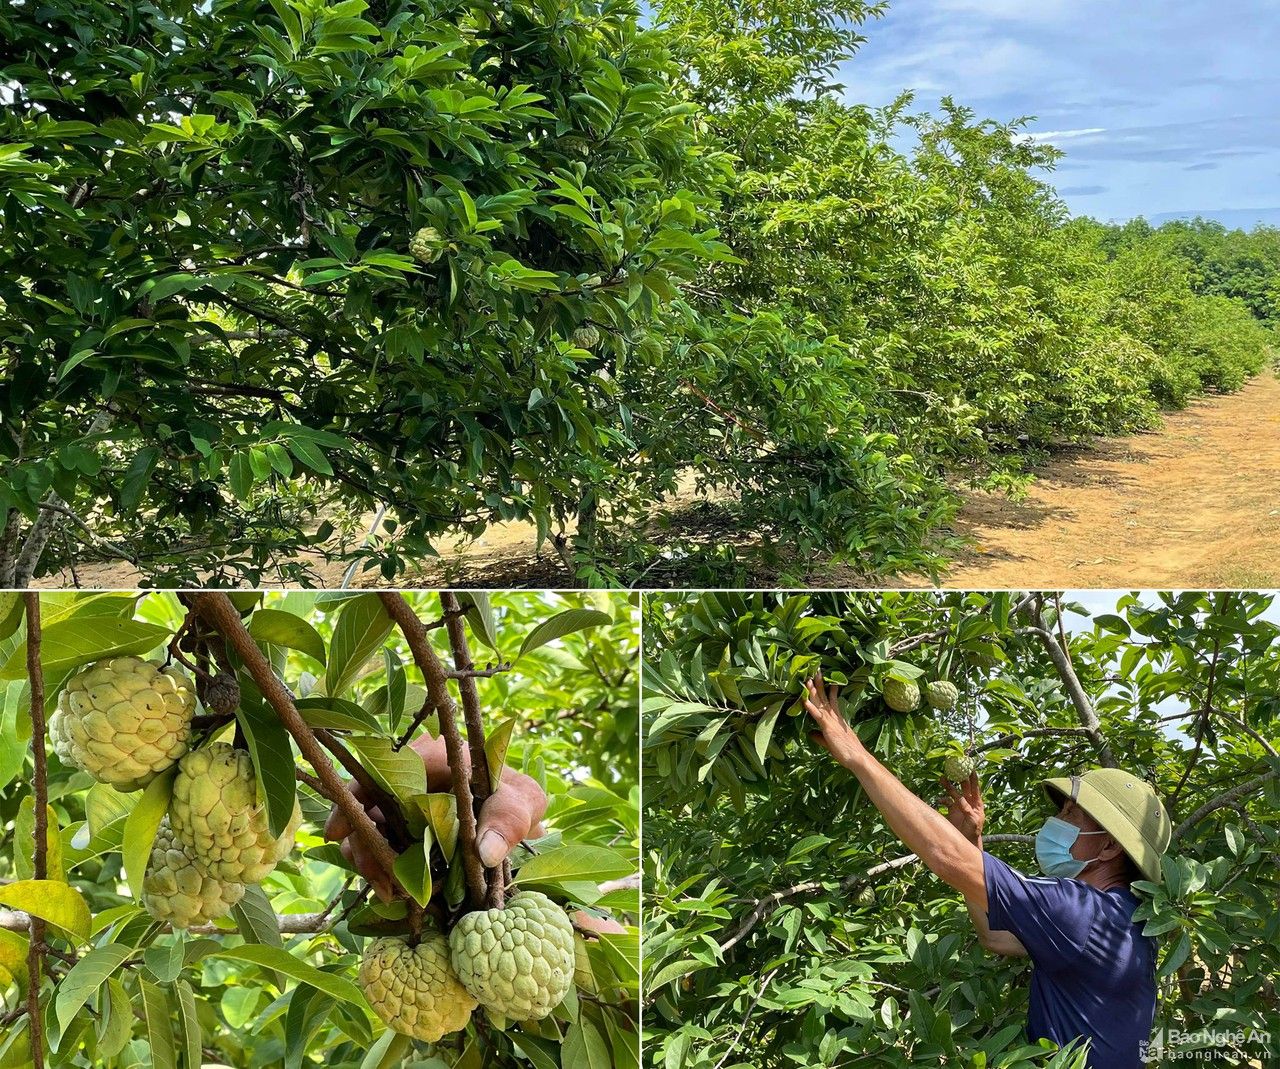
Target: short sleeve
{"points": [[1052, 917]]}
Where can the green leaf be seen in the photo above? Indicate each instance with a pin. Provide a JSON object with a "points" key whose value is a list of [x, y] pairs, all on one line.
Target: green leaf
{"points": [[192, 1043], [285, 629], [363, 626], [272, 753], [281, 961], [574, 863], [86, 976], [495, 750], [400, 771], [140, 828], [155, 1004], [69, 643], [563, 623], [51, 900]]}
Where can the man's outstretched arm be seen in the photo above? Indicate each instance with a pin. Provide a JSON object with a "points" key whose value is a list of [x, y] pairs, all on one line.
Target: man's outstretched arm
{"points": [[926, 832], [967, 814]]}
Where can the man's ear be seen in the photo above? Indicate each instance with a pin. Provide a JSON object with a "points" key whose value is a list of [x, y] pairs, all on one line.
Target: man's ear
{"points": [[1110, 849]]}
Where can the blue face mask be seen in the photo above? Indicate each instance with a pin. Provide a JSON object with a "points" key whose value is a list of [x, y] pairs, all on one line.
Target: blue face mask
{"points": [[1053, 848]]}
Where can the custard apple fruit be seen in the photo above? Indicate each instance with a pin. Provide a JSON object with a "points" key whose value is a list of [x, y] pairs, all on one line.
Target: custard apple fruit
{"points": [[426, 245], [959, 769], [123, 720], [517, 961], [414, 988], [216, 814], [900, 696], [941, 694], [177, 890], [586, 337]]}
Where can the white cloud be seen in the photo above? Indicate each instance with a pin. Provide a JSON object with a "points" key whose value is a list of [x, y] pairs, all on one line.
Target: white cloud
{"points": [[1066, 135]]}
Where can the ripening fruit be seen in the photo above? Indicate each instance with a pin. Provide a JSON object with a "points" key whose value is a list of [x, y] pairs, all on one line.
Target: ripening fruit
{"points": [[414, 989], [517, 961], [901, 697], [958, 769], [941, 694], [177, 890], [586, 336], [426, 245], [124, 720], [216, 814]]}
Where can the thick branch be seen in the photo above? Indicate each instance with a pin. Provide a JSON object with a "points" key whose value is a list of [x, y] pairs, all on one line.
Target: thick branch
{"points": [[464, 672], [40, 790], [218, 611], [1075, 691], [1226, 798], [434, 676], [9, 548], [766, 905], [907, 644], [470, 696]]}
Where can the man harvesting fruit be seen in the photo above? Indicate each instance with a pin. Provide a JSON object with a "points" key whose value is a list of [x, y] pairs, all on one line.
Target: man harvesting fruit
{"points": [[1094, 971]]}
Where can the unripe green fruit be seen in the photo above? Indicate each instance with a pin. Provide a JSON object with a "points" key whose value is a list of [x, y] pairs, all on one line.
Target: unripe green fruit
{"points": [[901, 697], [123, 720], [517, 961], [586, 337], [959, 769], [177, 890], [216, 814], [941, 694], [426, 245], [415, 989]]}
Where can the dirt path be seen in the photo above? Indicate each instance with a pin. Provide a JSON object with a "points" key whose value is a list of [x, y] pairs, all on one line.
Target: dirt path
{"points": [[1195, 504]]}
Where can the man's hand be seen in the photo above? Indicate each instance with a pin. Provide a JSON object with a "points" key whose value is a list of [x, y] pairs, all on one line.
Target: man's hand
{"points": [[965, 809], [834, 732], [513, 812]]}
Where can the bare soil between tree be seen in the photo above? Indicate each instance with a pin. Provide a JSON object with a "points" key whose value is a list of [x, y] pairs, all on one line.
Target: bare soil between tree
{"points": [[1194, 504]]}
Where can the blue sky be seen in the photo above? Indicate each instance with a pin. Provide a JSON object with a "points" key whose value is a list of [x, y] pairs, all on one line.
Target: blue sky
{"points": [[1163, 106]]}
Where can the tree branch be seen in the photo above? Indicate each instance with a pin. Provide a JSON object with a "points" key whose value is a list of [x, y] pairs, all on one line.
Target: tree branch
{"points": [[766, 905], [1061, 659], [217, 610], [40, 790], [434, 676], [1223, 799]]}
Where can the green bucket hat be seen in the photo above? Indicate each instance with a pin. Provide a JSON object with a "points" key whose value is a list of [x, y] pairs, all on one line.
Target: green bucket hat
{"points": [[1125, 807]]}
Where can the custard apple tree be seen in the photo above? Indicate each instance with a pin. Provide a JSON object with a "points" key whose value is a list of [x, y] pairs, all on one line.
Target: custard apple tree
{"points": [[193, 913], [786, 925], [268, 267]]}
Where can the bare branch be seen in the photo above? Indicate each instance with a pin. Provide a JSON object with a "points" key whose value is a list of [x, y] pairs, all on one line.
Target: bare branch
{"points": [[434, 676], [764, 906], [1223, 799], [40, 790], [1061, 659], [481, 783], [746, 1020]]}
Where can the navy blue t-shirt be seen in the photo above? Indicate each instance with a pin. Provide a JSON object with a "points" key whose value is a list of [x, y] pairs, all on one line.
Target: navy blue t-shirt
{"points": [[1094, 973]]}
